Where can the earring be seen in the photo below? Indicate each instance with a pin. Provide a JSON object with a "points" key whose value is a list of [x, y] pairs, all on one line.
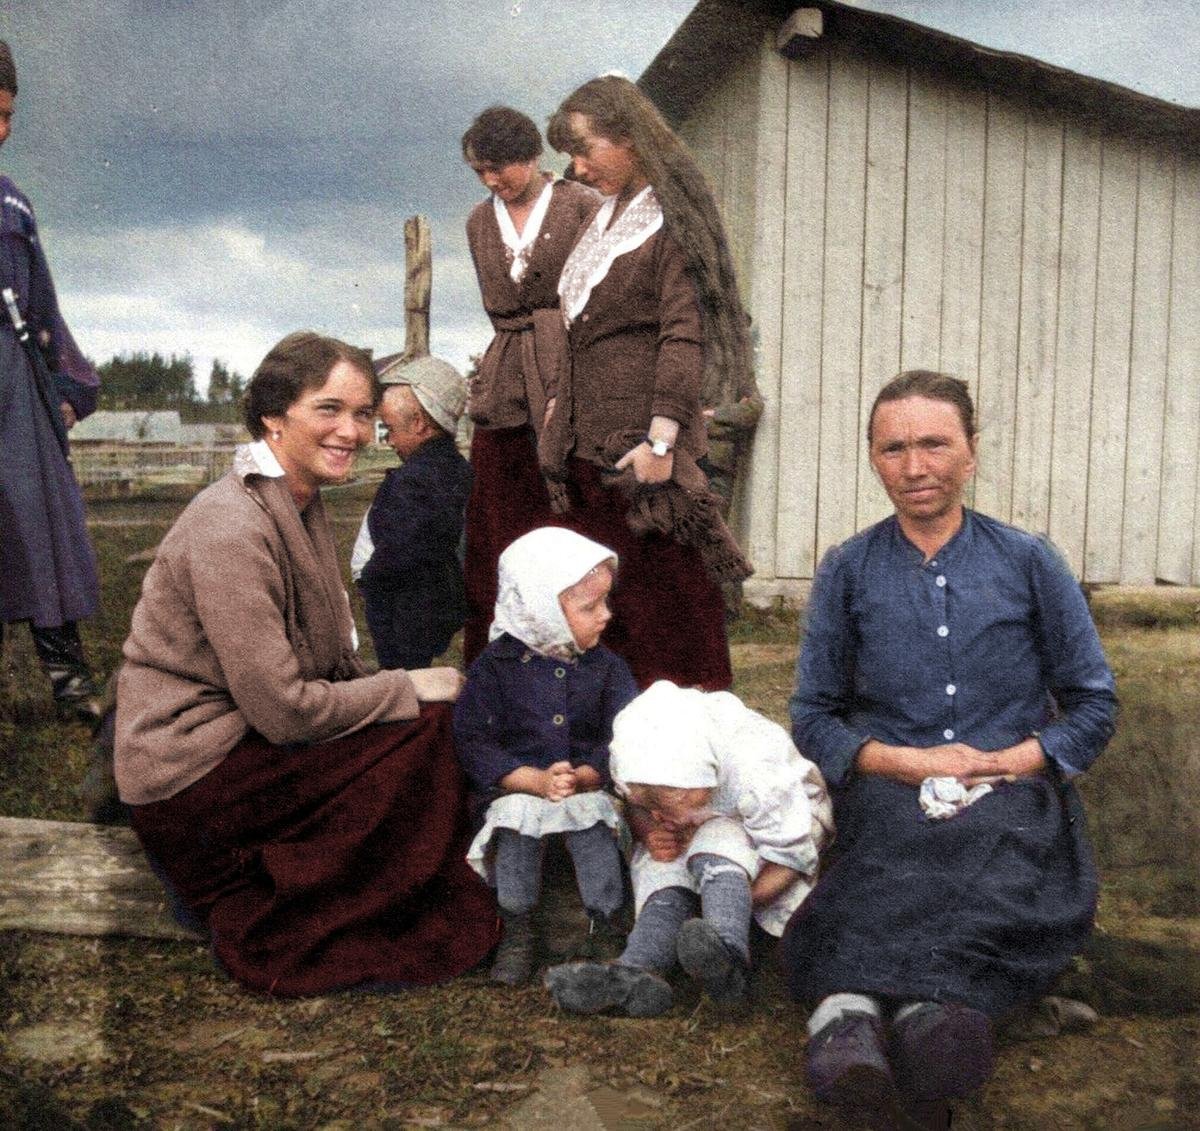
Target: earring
{"points": [[275, 435]]}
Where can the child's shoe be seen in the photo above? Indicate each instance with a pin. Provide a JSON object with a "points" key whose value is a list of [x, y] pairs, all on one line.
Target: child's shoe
{"points": [[513, 964], [724, 974], [605, 939], [592, 987]]}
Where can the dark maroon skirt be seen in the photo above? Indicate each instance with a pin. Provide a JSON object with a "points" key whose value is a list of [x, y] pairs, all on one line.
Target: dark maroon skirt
{"points": [[508, 498], [328, 865], [668, 614]]}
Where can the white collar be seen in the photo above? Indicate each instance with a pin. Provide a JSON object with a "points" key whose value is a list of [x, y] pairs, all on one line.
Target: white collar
{"points": [[520, 244], [256, 458]]}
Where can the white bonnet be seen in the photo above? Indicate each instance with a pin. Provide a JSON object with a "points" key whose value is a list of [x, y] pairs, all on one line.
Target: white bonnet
{"points": [[534, 570], [666, 736]]}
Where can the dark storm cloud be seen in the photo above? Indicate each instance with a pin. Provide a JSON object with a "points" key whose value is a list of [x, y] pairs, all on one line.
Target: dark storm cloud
{"points": [[209, 176]]}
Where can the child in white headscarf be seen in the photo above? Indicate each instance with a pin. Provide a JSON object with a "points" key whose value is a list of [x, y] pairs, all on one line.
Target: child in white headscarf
{"points": [[532, 728], [729, 820]]}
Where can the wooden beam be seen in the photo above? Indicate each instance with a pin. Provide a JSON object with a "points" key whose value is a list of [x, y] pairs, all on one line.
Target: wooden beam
{"points": [[418, 284], [800, 33], [73, 878]]}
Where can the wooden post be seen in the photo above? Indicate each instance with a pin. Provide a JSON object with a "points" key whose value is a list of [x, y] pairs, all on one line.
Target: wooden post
{"points": [[79, 879], [418, 283]]}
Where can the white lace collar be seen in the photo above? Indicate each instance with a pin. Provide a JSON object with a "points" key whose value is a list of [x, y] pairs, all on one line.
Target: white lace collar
{"points": [[520, 244], [600, 245]]}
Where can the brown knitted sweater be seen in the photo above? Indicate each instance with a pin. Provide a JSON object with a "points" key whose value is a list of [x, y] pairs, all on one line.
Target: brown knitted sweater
{"points": [[243, 625]]}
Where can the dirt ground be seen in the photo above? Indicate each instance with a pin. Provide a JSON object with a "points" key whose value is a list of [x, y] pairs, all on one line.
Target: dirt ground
{"points": [[134, 1033]]}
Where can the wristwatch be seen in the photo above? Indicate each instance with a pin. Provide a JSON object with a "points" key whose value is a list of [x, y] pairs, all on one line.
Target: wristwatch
{"points": [[659, 447]]}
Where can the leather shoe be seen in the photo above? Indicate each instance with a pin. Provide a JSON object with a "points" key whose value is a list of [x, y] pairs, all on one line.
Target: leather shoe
{"points": [[846, 1063], [942, 1051]]}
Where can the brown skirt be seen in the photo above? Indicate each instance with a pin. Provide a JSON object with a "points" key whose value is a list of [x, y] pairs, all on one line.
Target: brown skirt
{"points": [[328, 865]]}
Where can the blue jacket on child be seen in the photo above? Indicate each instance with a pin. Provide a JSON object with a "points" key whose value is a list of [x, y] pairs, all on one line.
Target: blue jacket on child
{"points": [[520, 708], [412, 585]]}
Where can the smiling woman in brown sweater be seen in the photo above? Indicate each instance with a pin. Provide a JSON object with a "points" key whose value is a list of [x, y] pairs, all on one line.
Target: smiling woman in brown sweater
{"points": [[308, 813]]}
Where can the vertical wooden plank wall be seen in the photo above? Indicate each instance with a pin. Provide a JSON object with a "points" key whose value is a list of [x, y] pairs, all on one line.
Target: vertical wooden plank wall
{"points": [[901, 219], [803, 284], [1148, 365], [1110, 362], [841, 332], [883, 260], [1075, 341], [1179, 498], [1033, 417]]}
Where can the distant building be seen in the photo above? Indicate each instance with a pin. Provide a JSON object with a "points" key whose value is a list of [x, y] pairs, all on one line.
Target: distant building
{"points": [[899, 198], [104, 427]]}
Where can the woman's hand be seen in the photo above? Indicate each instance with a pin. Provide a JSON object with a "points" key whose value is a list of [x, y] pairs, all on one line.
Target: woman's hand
{"points": [[70, 419], [647, 467], [437, 685], [1021, 761], [913, 764]]}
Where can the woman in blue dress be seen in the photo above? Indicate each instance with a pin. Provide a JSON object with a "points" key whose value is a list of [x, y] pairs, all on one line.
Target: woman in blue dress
{"points": [[47, 567], [950, 685]]}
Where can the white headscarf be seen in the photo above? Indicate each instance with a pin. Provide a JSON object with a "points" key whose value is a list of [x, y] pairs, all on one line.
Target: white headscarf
{"points": [[667, 736], [534, 570]]}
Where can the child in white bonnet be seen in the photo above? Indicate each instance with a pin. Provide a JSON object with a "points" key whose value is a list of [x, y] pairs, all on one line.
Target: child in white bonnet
{"points": [[729, 819], [532, 728]]}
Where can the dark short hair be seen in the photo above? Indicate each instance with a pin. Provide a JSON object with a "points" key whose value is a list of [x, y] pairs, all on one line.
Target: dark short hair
{"points": [[8, 69], [299, 362], [501, 135], [935, 387]]}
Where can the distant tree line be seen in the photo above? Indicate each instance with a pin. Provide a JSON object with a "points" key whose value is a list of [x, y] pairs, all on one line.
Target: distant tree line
{"points": [[142, 381]]}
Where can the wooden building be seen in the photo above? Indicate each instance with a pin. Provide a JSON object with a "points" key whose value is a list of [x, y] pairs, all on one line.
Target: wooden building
{"points": [[899, 198]]}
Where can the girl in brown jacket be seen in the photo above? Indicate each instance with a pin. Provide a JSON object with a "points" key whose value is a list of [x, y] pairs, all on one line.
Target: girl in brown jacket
{"points": [[657, 334], [309, 814], [519, 238]]}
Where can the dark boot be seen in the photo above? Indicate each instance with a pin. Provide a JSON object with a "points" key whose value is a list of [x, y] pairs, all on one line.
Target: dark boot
{"points": [[76, 697], [513, 964], [723, 972], [605, 940], [592, 987]]}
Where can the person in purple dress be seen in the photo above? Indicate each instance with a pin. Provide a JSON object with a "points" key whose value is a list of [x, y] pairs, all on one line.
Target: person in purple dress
{"points": [[47, 567]]}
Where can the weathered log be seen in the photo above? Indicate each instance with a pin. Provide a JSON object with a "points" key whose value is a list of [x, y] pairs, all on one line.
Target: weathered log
{"points": [[80, 879], [418, 262]]}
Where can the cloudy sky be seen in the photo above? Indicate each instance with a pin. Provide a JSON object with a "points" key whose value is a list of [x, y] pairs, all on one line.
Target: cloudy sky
{"points": [[209, 176]]}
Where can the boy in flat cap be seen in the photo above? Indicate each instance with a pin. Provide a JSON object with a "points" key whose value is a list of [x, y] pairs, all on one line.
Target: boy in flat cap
{"points": [[406, 558]]}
